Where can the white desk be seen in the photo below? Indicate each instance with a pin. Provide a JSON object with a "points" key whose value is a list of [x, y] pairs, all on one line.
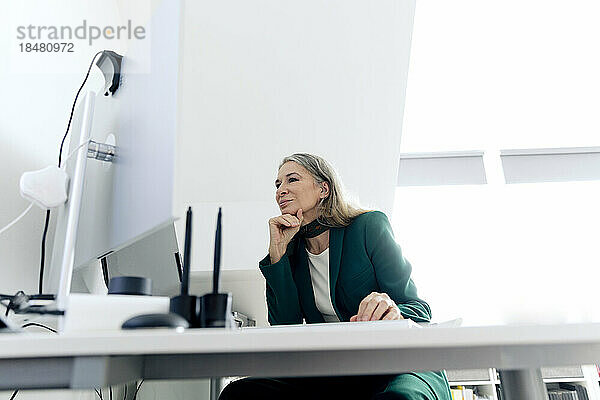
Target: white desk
{"points": [[100, 359]]}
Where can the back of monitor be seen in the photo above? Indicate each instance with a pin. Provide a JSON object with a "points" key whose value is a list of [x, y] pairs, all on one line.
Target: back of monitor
{"points": [[130, 198]]}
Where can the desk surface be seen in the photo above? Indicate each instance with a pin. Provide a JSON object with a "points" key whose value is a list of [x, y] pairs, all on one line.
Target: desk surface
{"points": [[102, 358]]}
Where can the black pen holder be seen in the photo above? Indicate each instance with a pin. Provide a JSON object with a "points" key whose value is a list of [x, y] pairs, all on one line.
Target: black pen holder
{"points": [[215, 310], [188, 307]]}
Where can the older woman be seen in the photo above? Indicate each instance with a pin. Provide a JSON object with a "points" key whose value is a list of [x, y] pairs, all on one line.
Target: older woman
{"points": [[331, 262]]}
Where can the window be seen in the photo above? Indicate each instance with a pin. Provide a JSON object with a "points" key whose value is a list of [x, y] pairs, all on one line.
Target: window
{"points": [[513, 87], [503, 75]]}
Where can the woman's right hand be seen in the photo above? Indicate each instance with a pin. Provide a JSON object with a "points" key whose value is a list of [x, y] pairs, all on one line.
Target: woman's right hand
{"points": [[282, 229]]}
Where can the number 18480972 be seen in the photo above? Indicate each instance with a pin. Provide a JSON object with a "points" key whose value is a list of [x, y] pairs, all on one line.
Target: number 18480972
{"points": [[64, 47]]}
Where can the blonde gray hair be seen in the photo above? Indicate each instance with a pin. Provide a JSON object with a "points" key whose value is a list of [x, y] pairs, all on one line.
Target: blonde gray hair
{"points": [[333, 211]]}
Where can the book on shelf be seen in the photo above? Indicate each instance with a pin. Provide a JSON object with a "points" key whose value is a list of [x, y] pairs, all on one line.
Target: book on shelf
{"points": [[499, 392], [462, 393], [468, 394], [582, 393], [456, 394], [562, 394]]}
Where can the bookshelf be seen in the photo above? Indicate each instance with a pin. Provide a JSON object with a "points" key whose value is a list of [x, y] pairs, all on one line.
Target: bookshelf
{"points": [[483, 382], [486, 382]]}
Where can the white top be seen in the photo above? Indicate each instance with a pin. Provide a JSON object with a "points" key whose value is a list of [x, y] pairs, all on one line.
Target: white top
{"points": [[318, 265]]}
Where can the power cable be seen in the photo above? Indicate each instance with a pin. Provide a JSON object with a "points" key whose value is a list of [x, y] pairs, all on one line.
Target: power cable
{"points": [[7, 227], [43, 255], [38, 325], [19, 303], [137, 389]]}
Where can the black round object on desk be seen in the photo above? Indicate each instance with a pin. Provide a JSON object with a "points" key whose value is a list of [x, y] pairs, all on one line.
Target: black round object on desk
{"points": [[133, 285], [169, 320]]}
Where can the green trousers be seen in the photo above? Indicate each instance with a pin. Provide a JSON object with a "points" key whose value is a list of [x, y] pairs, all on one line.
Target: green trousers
{"points": [[409, 386]]}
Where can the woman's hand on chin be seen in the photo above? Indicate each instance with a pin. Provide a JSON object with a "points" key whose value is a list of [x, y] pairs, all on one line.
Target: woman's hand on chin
{"points": [[281, 230], [375, 307]]}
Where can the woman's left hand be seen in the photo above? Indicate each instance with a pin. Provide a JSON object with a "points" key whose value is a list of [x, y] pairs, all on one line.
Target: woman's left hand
{"points": [[375, 307]]}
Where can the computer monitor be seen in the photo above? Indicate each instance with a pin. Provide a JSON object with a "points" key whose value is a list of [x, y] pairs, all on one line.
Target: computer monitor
{"points": [[114, 204]]}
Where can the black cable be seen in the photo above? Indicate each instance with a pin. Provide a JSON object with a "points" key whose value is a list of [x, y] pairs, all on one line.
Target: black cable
{"points": [[62, 143], [125, 395], [110, 388], [105, 275], [38, 325], [15, 301], [179, 266], [32, 297], [137, 389], [19, 303], [43, 255], [14, 394], [8, 306], [42, 297]]}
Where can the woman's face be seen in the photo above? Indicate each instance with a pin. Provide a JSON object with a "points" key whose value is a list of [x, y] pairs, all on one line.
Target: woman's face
{"points": [[297, 189]]}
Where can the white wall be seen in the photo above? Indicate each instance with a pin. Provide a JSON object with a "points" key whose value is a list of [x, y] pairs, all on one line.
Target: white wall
{"points": [[34, 111], [263, 79]]}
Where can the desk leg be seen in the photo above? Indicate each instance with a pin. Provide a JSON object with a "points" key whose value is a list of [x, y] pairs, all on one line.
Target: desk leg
{"points": [[525, 384], [215, 388]]}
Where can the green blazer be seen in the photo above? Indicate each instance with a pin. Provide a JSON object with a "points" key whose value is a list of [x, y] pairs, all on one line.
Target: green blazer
{"points": [[363, 258]]}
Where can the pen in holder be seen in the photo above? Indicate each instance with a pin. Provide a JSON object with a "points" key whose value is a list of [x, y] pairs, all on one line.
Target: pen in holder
{"points": [[185, 305], [188, 307], [215, 310], [215, 307]]}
